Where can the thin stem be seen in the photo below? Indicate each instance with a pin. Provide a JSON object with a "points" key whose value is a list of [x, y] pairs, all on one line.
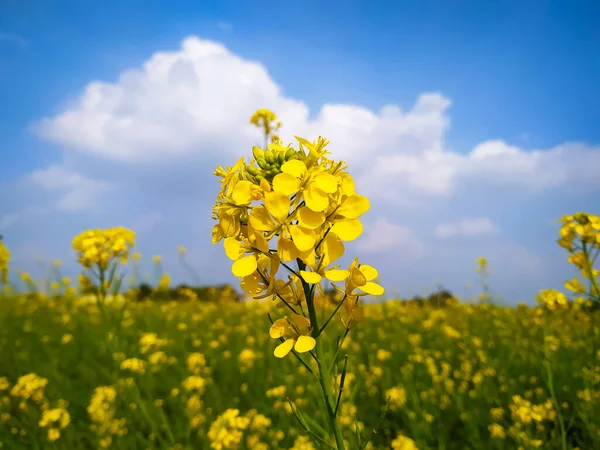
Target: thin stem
{"points": [[339, 347], [324, 373], [337, 404], [333, 314], [561, 423]]}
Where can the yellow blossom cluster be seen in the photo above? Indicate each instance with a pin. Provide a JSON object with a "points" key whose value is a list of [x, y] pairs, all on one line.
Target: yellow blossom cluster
{"points": [[580, 236], [582, 227], [102, 412], [525, 412], [134, 365], [265, 119], [552, 299], [30, 387], [227, 431], [306, 204], [151, 341], [4, 260], [55, 420], [196, 363], [396, 397], [247, 358], [97, 248], [403, 443]]}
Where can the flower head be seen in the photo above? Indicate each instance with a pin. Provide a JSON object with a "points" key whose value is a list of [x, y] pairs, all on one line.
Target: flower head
{"points": [[295, 332]]}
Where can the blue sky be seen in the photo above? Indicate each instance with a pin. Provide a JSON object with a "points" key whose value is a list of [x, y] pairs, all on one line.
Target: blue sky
{"points": [[516, 80]]}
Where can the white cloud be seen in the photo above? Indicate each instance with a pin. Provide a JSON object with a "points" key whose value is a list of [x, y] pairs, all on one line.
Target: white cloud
{"points": [[383, 236], [197, 100], [466, 227], [77, 192]]}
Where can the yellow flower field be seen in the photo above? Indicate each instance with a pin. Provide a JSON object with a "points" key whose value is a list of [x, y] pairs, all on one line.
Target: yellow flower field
{"points": [[189, 375]]}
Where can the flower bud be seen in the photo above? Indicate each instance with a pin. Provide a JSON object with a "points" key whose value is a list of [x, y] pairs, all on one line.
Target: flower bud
{"points": [[257, 153]]}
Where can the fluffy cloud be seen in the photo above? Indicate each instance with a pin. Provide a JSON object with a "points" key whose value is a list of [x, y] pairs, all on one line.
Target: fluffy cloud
{"points": [[466, 227], [196, 101], [383, 236], [76, 191]]}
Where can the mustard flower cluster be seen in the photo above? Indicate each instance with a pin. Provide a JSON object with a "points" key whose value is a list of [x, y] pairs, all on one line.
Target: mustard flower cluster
{"points": [[552, 299], [227, 431], [4, 260], [55, 420], [403, 443], [580, 236], [306, 205], [524, 414], [102, 412], [265, 119], [579, 227], [97, 248], [30, 387]]}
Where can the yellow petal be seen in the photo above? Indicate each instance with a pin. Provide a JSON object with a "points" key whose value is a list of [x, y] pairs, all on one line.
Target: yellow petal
{"points": [[372, 288], [354, 206], [326, 182], [259, 242], [337, 275], [357, 278], [286, 184], [305, 344], [260, 220], [309, 218], [286, 249], [300, 321], [311, 277], [217, 234], [309, 257], [245, 266], [332, 248], [250, 285], [303, 239], [369, 272], [347, 184], [294, 167], [284, 348], [278, 205], [264, 185], [233, 248], [279, 328], [348, 229], [315, 198], [229, 225], [242, 193]]}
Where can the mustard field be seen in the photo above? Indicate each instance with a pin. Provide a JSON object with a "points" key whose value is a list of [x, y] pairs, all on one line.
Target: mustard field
{"points": [[193, 375]]}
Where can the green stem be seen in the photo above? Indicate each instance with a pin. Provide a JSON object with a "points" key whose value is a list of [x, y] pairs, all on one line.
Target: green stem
{"points": [[324, 372], [324, 376], [595, 294], [563, 432]]}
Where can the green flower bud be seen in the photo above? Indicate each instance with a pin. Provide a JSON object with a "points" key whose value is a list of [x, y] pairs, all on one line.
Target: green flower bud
{"points": [[262, 163], [269, 156], [289, 154], [258, 153]]}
